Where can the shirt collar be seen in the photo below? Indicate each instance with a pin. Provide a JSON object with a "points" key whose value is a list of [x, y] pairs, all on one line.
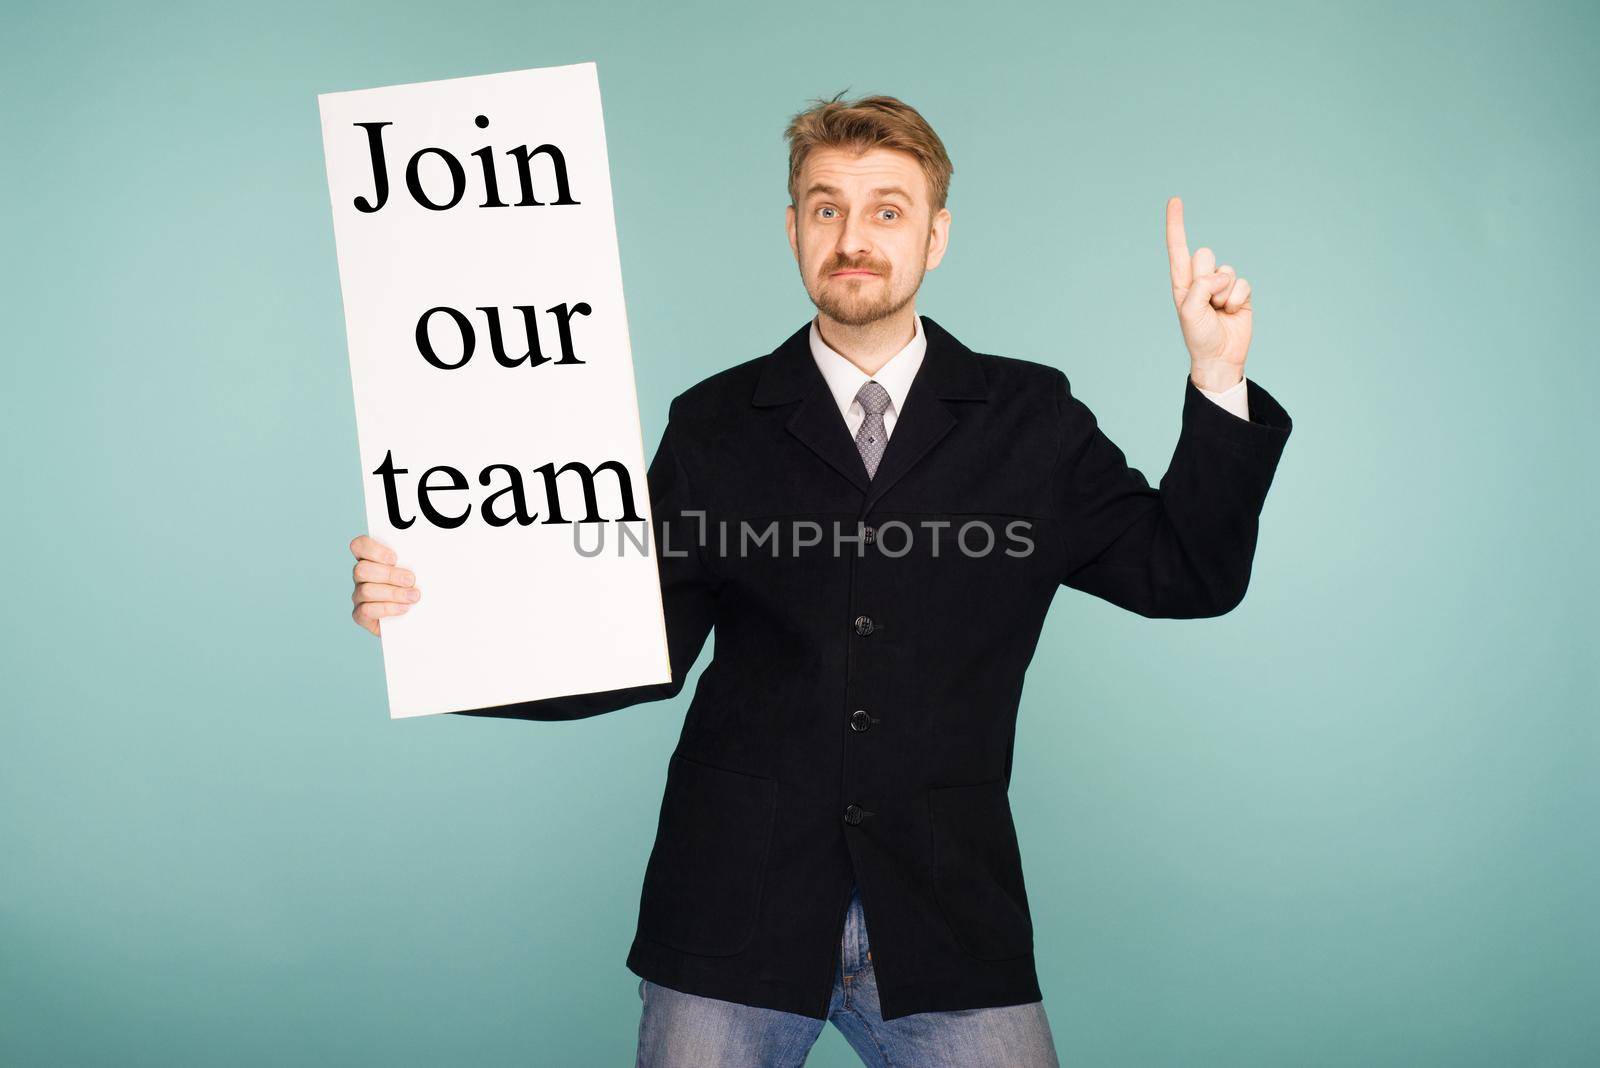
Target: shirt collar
{"points": [[845, 378]]}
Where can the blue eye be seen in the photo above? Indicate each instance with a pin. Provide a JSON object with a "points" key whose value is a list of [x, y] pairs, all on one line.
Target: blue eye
{"points": [[892, 211], [824, 209]]}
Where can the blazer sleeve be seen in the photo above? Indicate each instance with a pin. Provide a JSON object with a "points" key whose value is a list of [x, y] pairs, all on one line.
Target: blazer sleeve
{"points": [[1182, 551], [688, 596]]}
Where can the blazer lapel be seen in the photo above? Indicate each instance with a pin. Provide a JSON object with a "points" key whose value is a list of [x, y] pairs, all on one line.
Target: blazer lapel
{"points": [[949, 371], [790, 374]]}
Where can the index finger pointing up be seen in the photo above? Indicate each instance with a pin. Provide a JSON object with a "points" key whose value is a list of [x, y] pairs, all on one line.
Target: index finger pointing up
{"points": [[1178, 246]]}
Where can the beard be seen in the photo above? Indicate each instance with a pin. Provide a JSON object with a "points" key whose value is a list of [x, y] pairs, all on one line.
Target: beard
{"points": [[863, 301], [860, 303]]}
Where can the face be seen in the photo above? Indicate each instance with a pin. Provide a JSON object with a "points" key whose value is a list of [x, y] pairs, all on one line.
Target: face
{"points": [[864, 232]]}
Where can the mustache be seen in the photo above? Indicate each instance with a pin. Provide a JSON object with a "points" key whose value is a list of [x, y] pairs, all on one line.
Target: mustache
{"points": [[865, 265]]}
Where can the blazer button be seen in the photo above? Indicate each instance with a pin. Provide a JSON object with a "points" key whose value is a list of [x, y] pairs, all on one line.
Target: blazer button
{"points": [[852, 815], [864, 625], [860, 720]]}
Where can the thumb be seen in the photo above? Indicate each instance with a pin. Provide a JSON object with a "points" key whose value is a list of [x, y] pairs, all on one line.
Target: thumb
{"points": [[1204, 288]]}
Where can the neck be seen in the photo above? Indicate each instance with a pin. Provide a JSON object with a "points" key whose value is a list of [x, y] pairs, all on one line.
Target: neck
{"points": [[870, 345]]}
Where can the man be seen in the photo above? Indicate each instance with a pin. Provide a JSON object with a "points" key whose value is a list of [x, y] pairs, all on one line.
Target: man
{"points": [[874, 519]]}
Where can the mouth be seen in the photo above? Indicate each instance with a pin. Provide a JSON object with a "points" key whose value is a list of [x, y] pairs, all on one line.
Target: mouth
{"points": [[854, 274]]}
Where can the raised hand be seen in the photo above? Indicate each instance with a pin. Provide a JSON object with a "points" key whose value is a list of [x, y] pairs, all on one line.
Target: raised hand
{"points": [[381, 588], [1213, 308]]}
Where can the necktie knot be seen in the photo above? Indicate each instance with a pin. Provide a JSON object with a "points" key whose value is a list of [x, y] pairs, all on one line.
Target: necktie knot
{"points": [[873, 398]]}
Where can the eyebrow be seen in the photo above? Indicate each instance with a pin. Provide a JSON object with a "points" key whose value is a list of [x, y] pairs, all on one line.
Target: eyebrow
{"points": [[884, 191]]}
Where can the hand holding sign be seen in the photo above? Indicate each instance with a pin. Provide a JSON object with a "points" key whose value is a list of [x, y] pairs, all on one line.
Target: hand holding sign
{"points": [[382, 587]]}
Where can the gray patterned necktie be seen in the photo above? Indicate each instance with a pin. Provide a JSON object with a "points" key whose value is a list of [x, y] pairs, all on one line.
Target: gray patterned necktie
{"points": [[872, 437]]}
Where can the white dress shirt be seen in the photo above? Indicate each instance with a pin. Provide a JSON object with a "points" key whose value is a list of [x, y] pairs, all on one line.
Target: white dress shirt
{"points": [[845, 379]]}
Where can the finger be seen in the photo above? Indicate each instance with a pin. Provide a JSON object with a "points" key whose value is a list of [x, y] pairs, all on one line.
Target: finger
{"points": [[1220, 297], [382, 591], [367, 624], [1239, 297], [372, 571], [367, 611], [1178, 246], [1205, 261], [367, 547], [1200, 293]]}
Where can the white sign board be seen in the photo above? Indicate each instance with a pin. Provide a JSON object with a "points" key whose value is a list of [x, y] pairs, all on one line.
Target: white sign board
{"points": [[494, 391]]}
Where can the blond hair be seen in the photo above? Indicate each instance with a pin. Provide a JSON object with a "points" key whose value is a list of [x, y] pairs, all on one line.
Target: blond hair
{"points": [[866, 123]]}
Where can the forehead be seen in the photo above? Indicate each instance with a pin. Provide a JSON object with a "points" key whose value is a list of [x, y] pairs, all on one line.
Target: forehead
{"points": [[856, 174]]}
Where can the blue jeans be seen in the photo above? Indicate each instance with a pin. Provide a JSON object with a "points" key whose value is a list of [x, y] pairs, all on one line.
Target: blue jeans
{"points": [[678, 1030]]}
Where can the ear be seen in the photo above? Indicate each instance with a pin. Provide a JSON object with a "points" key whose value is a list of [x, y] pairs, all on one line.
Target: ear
{"points": [[789, 225], [939, 239]]}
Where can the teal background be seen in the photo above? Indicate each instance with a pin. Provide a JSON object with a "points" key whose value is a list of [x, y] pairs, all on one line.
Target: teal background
{"points": [[1351, 823]]}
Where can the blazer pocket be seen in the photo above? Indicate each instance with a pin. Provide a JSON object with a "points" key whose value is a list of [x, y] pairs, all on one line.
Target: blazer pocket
{"points": [[977, 870], [703, 882]]}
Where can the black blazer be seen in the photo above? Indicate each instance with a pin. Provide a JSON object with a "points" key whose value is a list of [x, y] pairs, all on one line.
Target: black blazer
{"points": [[856, 721]]}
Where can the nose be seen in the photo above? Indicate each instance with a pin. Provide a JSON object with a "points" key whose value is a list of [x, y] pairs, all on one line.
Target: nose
{"points": [[853, 238]]}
